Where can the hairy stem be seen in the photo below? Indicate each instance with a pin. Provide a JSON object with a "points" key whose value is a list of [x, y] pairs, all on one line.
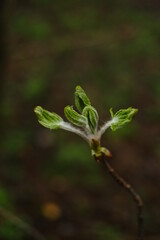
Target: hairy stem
{"points": [[129, 188]]}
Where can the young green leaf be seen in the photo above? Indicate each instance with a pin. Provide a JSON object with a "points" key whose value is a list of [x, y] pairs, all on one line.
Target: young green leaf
{"points": [[48, 119], [81, 99], [92, 116], [122, 117], [74, 117]]}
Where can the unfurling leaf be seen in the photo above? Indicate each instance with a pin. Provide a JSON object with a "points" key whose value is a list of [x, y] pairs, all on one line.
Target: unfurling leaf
{"points": [[92, 116], [74, 117], [48, 119], [81, 99], [122, 117]]}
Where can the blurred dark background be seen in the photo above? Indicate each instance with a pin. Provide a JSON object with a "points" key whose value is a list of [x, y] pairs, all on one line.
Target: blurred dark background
{"points": [[49, 179]]}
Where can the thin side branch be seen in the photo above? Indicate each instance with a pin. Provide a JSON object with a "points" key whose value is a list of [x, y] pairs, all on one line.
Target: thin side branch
{"points": [[104, 128], [129, 188], [68, 127]]}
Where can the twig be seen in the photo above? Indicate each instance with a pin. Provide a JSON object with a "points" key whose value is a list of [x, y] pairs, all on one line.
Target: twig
{"points": [[128, 187]]}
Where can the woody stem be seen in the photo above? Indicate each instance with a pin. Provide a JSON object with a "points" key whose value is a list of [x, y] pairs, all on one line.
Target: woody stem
{"points": [[129, 188]]}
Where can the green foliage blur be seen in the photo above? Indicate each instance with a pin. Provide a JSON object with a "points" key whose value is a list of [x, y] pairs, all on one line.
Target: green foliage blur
{"points": [[111, 49]]}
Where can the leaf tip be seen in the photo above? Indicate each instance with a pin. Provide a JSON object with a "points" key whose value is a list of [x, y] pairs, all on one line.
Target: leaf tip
{"points": [[78, 88], [38, 109]]}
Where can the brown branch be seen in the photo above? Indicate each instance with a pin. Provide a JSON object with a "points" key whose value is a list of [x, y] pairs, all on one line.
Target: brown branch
{"points": [[128, 187]]}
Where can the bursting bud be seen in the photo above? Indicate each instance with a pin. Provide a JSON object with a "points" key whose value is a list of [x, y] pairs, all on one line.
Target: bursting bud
{"points": [[92, 116], [48, 119], [122, 117], [81, 99], [74, 117]]}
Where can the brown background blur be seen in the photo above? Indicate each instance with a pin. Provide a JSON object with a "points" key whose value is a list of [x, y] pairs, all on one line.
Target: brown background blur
{"points": [[49, 179]]}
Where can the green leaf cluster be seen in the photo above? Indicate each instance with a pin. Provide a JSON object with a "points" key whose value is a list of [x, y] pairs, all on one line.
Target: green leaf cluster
{"points": [[48, 119], [81, 99], [122, 117], [74, 117], [88, 117], [92, 116]]}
